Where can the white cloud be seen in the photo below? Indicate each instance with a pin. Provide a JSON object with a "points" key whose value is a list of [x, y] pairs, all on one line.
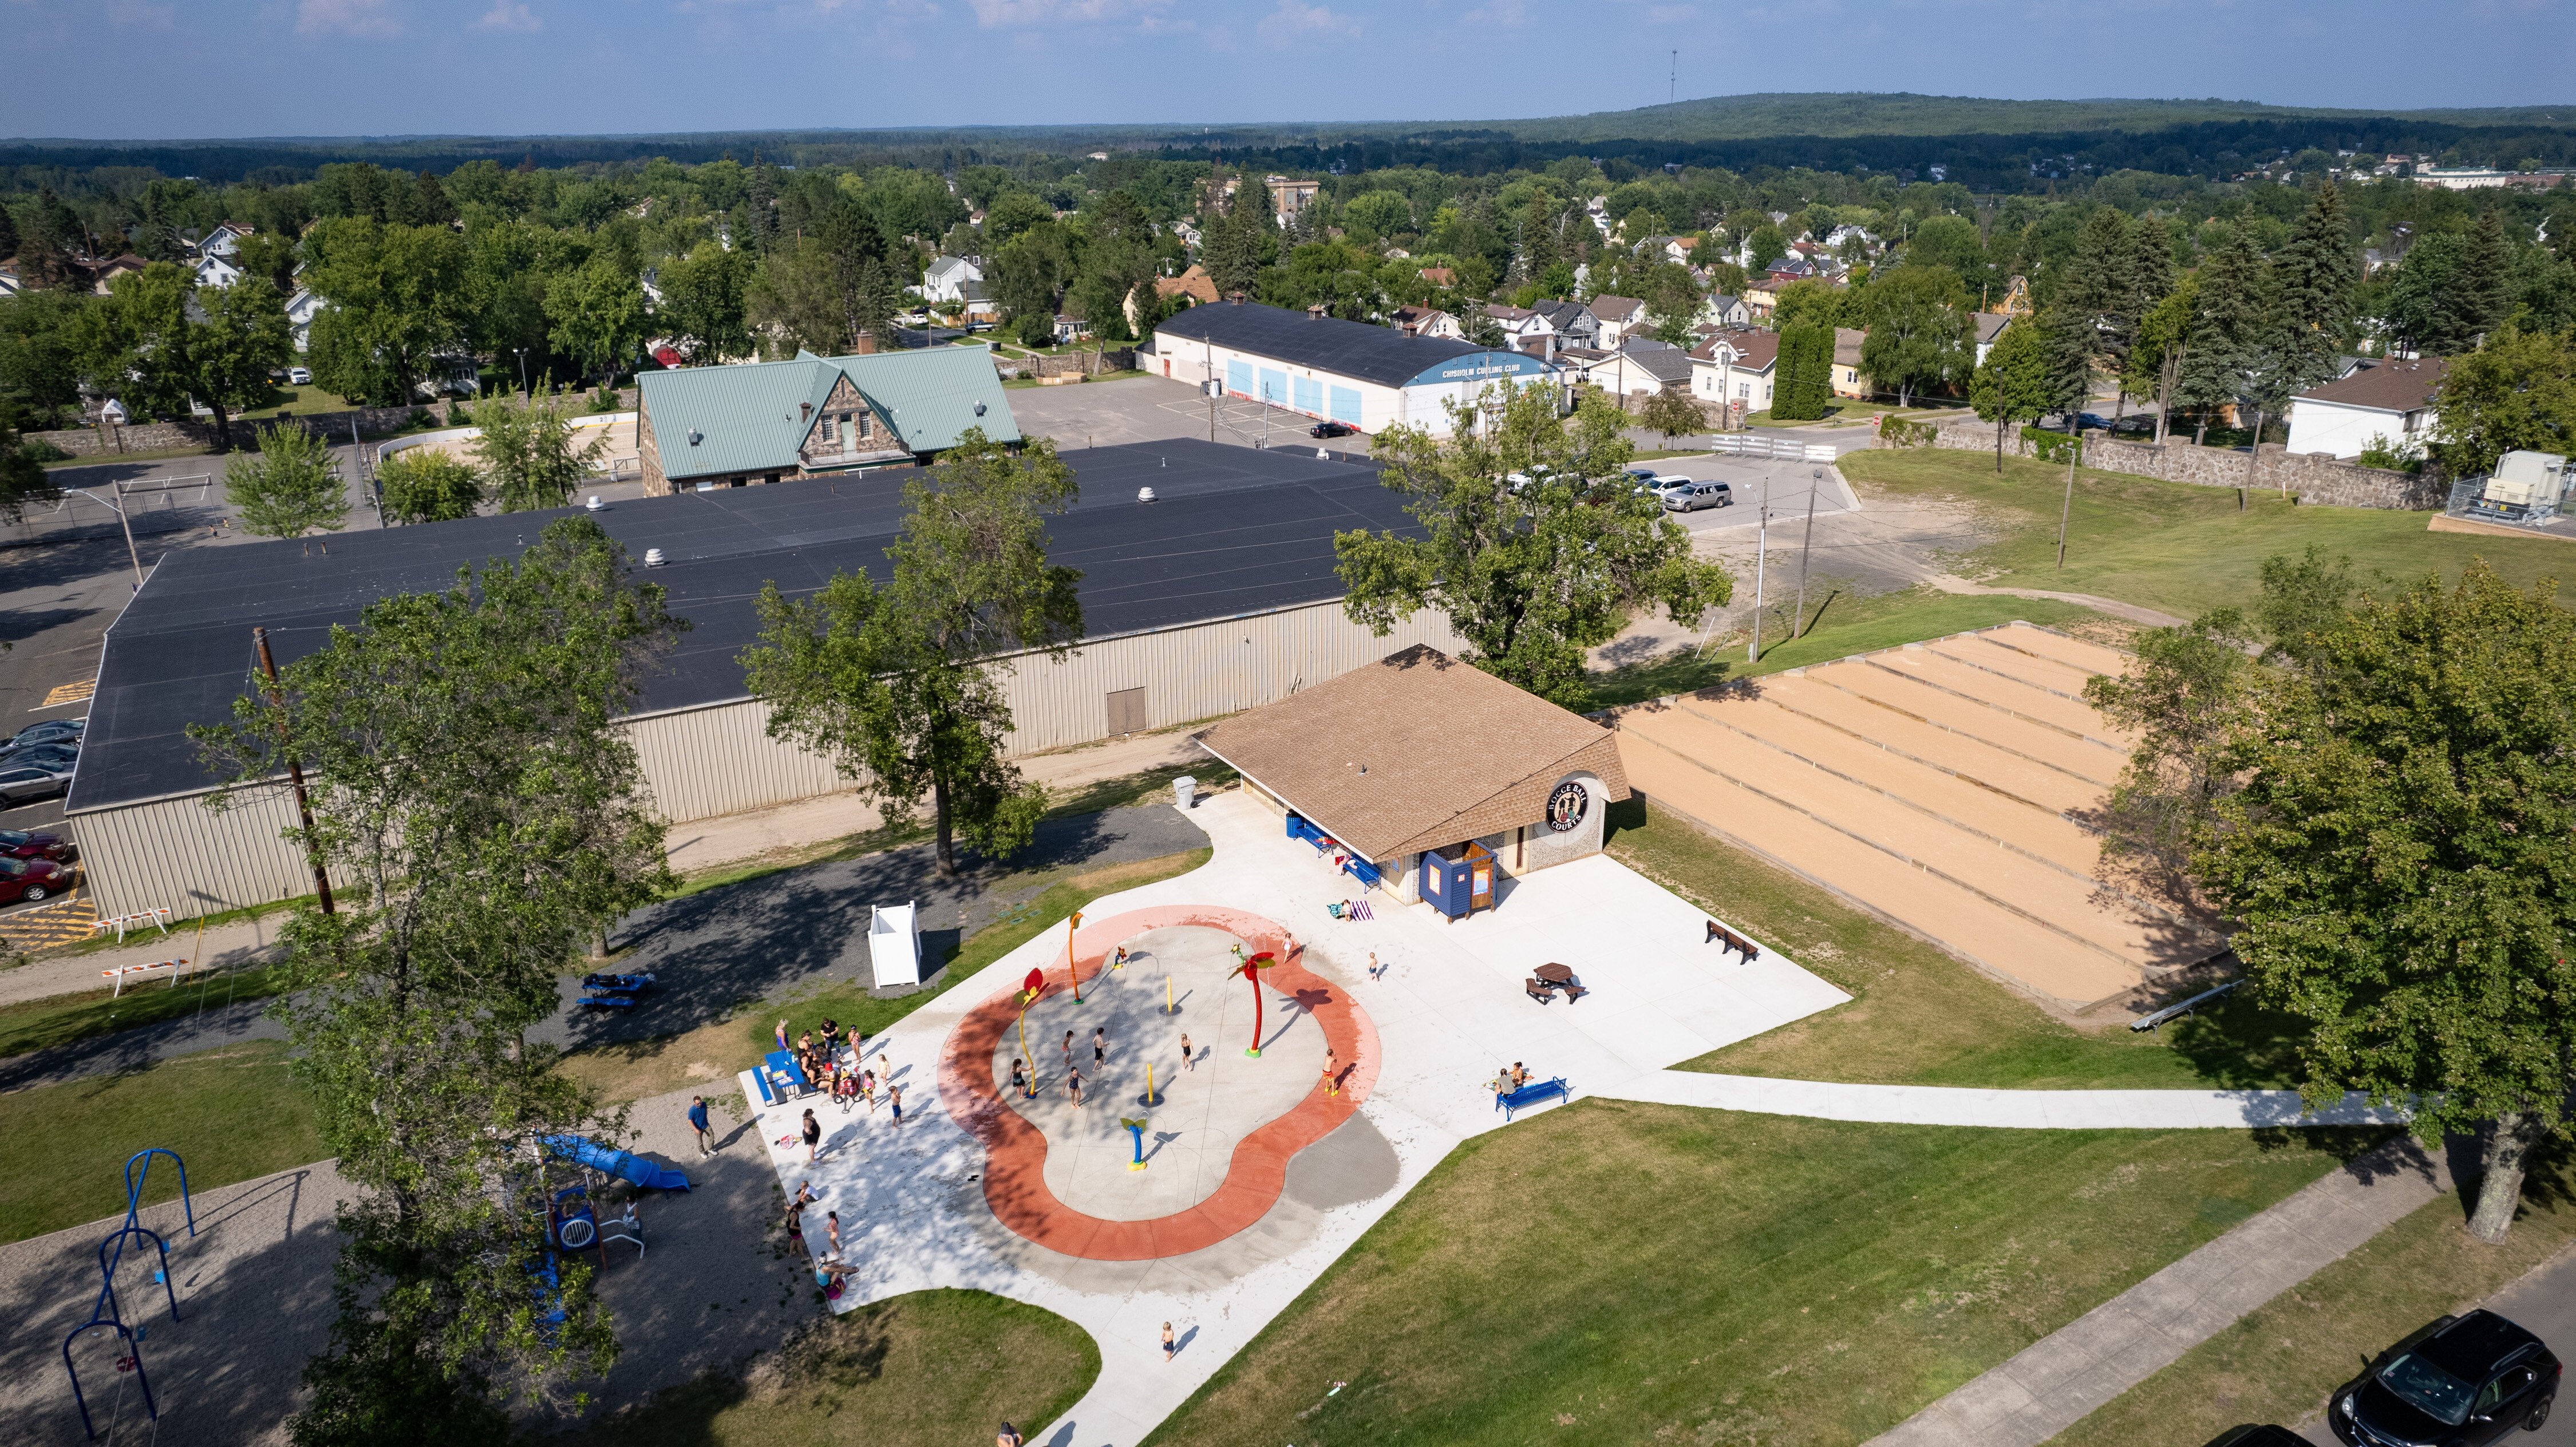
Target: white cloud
{"points": [[997, 14], [1502, 14], [1295, 20], [509, 15], [346, 17]]}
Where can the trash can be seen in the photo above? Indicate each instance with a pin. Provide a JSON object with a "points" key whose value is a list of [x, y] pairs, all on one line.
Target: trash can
{"points": [[1185, 790]]}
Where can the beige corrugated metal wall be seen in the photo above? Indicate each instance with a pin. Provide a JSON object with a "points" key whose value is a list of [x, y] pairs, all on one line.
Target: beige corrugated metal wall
{"points": [[718, 759]]}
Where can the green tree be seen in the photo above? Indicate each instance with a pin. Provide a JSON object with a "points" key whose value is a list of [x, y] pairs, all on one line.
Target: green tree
{"points": [[2517, 391], [2395, 860], [1768, 246], [528, 455], [2235, 351], [703, 303], [2485, 277], [1919, 331], [1532, 577], [899, 686], [267, 257], [2181, 701], [23, 479], [143, 332], [2097, 300], [2314, 278], [595, 315], [481, 818], [1805, 374], [289, 487], [1673, 414], [2155, 363], [831, 287], [1012, 213], [41, 344], [2012, 385], [394, 300], [425, 485], [1809, 302]]}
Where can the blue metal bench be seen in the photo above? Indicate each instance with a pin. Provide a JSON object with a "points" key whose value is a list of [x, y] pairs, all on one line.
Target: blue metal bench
{"points": [[1510, 1101]]}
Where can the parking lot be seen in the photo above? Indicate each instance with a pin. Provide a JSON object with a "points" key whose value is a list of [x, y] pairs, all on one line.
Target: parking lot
{"points": [[1150, 409]]}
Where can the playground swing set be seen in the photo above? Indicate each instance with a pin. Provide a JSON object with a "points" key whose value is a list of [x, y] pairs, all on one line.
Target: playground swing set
{"points": [[107, 1311]]}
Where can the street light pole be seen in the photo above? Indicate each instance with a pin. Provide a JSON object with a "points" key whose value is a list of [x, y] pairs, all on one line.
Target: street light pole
{"points": [[523, 372], [1797, 627], [1761, 553]]}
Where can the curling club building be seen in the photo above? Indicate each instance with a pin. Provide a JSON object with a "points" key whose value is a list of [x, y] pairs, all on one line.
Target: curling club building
{"points": [[1369, 377]]}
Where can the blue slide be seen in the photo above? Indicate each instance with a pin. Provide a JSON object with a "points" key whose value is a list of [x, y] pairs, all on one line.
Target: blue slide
{"points": [[624, 1165]]}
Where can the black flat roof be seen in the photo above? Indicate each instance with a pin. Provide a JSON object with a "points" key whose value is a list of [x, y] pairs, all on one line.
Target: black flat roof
{"points": [[1327, 344], [1234, 530]]}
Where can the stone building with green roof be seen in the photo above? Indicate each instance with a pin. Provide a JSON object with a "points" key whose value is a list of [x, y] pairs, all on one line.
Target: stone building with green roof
{"points": [[730, 426]]}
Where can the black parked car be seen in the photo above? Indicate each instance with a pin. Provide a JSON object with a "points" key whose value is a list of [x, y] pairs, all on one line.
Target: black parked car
{"points": [[1331, 429], [2464, 1381], [2258, 1435]]}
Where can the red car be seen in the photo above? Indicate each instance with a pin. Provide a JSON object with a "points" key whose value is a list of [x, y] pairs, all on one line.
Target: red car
{"points": [[32, 879], [23, 844]]}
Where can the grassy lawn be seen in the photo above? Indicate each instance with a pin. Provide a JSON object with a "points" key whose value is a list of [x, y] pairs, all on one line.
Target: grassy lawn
{"points": [[1917, 1016], [2279, 1363], [2174, 546], [113, 457], [1843, 625], [299, 402], [929, 1369], [1616, 1272], [231, 1114], [713, 1054], [60, 1019]]}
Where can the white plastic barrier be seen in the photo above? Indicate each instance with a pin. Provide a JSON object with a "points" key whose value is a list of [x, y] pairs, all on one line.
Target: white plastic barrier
{"points": [[121, 923], [894, 944]]}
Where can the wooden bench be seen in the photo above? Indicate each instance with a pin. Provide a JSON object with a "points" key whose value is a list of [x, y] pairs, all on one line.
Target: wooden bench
{"points": [[1510, 1101], [1728, 939]]}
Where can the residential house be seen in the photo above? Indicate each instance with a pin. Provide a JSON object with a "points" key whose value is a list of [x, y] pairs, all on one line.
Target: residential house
{"points": [[103, 272], [301, 308], [1638, 367], [1989, 326], [711, 427], [1523, 330], [947, 277], [1439, 276], [217, 270], [1736, 370], [1793, 267], [651, 282], [1288, 198], [225, 240], [1762, 300], [1190, 235], [1616, 318], [11, 283], [1675, 249], [1725, 311], [2393, 400], [1574, 323], [1424, 321], [1071, 328], [981, 310], [1848, 381]]}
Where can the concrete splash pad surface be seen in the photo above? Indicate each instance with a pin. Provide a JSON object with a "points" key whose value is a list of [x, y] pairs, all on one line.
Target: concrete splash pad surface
{"points": [[1198, 1115]]}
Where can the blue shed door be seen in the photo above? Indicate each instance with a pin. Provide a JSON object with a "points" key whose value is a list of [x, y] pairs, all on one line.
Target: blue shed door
{"points": [[1346, 405], [1238, 378], [1310, 396], [1274, 385]]}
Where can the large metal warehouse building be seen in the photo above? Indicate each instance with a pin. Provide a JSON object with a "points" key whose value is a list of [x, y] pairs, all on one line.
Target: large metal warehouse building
{"points": [[1370, 377], [1218, 596]]}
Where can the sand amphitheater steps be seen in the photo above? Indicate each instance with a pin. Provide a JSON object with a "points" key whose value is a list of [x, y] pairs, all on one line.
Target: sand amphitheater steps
{"points": [[1989, 766], [1967, 924], [2028, 828], [1944, 708], [2062, 680], [2046, 893], [2069, 716], [2074, 652]]}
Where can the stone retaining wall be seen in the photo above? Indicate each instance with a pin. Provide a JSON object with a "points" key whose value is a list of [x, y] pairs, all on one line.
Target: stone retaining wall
{"points": [[2312, 477], [106, 440]]}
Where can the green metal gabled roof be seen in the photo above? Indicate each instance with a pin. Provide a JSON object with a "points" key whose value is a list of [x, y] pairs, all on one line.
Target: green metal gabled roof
{"points": [[930, 395], [754, 417]]}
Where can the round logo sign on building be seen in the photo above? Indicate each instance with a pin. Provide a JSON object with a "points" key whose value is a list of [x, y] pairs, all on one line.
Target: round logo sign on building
{"points": [[1566, 805]]}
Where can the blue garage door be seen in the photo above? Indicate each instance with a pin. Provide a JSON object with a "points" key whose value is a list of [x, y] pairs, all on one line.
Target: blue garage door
{"points": [[1346, 405], [1274, 385], [1238, 378], [1310, 396]]}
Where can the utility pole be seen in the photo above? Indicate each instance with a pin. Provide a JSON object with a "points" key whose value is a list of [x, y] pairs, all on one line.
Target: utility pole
{"points": [[1761, 554], [1798, 627], [1673, 82], [294, 770], [366, 474]]}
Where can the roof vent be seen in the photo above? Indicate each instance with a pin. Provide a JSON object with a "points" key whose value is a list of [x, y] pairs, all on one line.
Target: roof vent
{"points": [[1144, 494], [652, 557], [694, 436], [595, 505], [979, 409]]}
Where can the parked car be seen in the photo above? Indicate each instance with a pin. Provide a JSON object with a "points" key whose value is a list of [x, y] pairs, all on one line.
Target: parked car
{"points": [[31, 879], [2464, 1381], [2262, 1434], [1680, 494], [1331, 429], [299, 376], [41, 754], [60, 730], [20, 782], [27, 844]]}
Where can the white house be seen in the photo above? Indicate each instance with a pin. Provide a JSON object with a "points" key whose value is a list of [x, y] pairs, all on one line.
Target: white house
{"points": [[1989, 326], [301, 308], [1574, 323], [1736, 369], [1424, 321], [947, 278], [1725, 311], [217, 270], [2393, 400], [225, 240], [1621, 317], [1523, 330]]}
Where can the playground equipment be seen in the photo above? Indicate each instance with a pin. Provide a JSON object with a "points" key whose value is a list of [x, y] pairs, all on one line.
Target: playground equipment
{"points": [[894, 943], [106, 1311], [1251, 971], [1135, 1128], [610, 1161]]}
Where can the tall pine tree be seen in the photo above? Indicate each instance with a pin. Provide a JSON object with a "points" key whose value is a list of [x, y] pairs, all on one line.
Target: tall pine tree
{"points": [[2097, 305], [2313, 280], [2484, 285], [2232, 337]]}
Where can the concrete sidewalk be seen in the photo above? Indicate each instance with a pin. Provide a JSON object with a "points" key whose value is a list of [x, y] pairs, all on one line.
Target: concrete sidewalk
{"points": [[2009, 1109], [2056, 1381]]}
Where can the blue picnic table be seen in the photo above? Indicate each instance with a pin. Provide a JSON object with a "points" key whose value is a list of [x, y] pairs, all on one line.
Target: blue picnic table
{"points": [[779, 1075]]}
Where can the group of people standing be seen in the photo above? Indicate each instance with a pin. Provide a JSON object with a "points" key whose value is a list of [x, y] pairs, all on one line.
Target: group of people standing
{"points": [[840, 1069]]}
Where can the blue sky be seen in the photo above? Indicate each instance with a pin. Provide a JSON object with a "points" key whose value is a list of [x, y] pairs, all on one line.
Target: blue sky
{"points": [[196, 68]]}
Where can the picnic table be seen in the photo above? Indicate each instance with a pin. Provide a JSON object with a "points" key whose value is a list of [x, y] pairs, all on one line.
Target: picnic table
{"points": [[1554, 973], [779, 1074]]}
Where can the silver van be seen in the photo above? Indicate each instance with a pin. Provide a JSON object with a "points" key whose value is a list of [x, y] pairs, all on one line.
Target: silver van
{"points": [[1680, 494]]}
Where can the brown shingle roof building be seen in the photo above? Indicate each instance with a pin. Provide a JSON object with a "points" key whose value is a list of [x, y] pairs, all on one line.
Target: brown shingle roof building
{"points": [[1421, 752], [2394, 386]]}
